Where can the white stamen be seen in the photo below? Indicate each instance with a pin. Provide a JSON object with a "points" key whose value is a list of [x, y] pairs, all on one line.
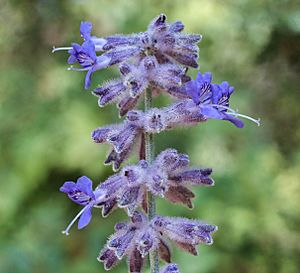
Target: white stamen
{"points": [[256, 121], [60, 48], [72, 68], [66, 231], [236, 114]]}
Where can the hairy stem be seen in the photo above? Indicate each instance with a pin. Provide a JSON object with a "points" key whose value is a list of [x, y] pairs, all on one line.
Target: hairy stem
{"points": [[149, 155]]}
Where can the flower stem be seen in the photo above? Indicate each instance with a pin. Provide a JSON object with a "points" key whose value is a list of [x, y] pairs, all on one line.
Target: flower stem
{"points": [[149, 155]]}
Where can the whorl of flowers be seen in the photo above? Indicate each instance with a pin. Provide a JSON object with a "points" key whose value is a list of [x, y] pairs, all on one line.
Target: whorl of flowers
{"points": [[137, 238], [156, 60], [169, 176]]}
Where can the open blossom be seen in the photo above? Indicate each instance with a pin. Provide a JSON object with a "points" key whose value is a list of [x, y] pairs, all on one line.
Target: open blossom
{"points": [[213, 99], [137, 238], [162, 40], [81, 193], [167, 176]]}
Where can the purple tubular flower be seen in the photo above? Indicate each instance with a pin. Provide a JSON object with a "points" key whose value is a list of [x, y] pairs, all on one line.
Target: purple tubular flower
{"points": [[194, 177], [81, 193], [109, 92], [120, 40], [121, 241], [184, 230], [86, 56], [121, 136]]}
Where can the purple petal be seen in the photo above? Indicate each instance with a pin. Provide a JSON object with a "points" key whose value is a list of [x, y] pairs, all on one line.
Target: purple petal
{"points": [[192, 91], [210, 112], [68, 187], [85, 184], [85, 218], [85, 30], [72, 59], [237, 122], [87, 82], [89, 48]]}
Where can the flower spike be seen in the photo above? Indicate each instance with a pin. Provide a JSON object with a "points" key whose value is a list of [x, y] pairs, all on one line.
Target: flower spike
{"points": [[155, 60]]}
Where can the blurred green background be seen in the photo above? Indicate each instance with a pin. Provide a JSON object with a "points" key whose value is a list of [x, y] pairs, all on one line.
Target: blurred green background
{"points": [[46, 120]]}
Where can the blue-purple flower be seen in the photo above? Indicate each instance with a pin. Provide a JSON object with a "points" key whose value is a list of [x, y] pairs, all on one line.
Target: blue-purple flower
{"points": [[213, 99], [86, 57], [81, 193]]}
